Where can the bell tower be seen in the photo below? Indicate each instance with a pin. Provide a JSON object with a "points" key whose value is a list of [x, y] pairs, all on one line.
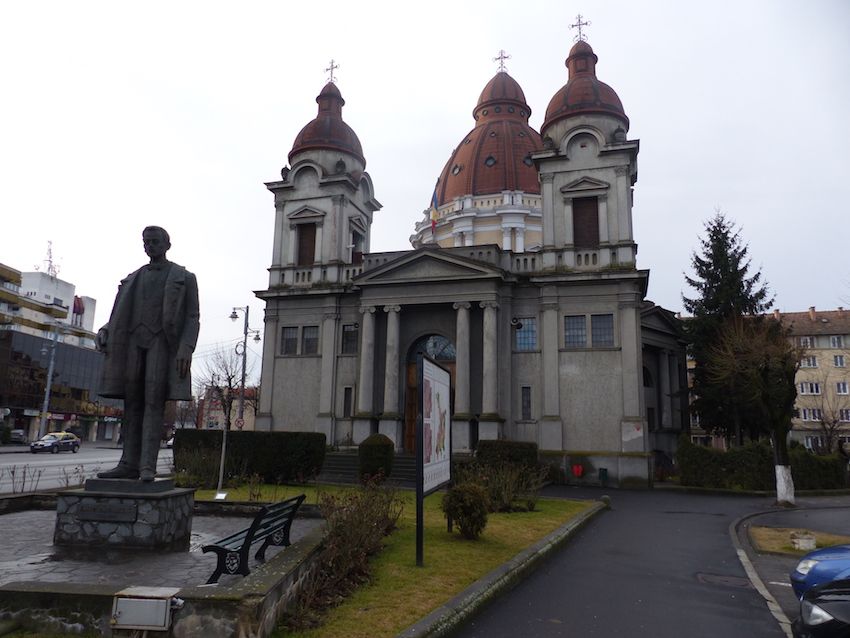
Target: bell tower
{"points": [[324, 202], [587, 169]]}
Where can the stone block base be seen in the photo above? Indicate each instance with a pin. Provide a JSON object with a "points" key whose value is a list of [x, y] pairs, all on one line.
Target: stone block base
{"points": [[109, 519], [392, 428]]}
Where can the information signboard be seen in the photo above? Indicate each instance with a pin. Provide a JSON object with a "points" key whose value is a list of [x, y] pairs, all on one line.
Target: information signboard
{"points": [[433, 437]]}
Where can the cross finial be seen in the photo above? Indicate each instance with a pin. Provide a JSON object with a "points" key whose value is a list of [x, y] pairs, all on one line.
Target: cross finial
{"points": [[330, 71], [578, 25], [501, 59]]}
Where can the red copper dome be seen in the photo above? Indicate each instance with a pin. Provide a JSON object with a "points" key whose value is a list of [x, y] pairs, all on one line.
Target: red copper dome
{"points": [[494, 156], [583, 93], [328, 131]]}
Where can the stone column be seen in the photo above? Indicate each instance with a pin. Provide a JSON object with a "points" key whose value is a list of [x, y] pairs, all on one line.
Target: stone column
{"points": [[506, 238], [546, 182], [520, 240], [365, 386], [633, 424], [664, 386], [551, 429], [290, 253], [390, 423], [602, 219], [327, 387], [461, 435], [318, 257], [490, 423], [675, 387]]}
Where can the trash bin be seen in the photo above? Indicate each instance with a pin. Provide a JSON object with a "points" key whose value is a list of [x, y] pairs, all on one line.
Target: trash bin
{"points": [[603, 476]]}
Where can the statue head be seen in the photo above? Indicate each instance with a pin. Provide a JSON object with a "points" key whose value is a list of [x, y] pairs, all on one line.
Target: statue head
{"points": [[156, 242]]}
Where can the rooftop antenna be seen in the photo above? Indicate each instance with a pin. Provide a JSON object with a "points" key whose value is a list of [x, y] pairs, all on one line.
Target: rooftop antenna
{"points": [[330, 71], [52, 267], [501, 60], [578, 25]]}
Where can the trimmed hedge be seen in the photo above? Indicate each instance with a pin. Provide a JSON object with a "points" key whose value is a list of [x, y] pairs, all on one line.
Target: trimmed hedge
{"points": [[277, 457], [751, 467], [375, 455], [495, 452]]}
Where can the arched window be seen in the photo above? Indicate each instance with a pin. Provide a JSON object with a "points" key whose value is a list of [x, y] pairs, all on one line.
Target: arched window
{"points": [[435, 346]]}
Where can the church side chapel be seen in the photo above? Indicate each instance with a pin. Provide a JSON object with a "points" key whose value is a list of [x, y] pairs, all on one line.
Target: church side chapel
{"points": [[522, 281]]}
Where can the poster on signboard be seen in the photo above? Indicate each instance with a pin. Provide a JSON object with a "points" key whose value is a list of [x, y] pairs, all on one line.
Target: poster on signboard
{"points": [[436, 426]]}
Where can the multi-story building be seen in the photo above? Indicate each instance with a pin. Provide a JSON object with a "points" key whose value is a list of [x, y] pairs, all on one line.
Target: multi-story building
{"points": [[822, 410], [42, 319], [523, 282], [210, 409]]}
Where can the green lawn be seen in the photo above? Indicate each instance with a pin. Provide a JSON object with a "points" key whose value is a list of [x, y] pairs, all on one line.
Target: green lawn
{"points": [[402, 593]]}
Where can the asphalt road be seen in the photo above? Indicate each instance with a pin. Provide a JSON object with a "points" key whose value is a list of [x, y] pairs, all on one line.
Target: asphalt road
{"points": [[26, 472], [658, 564]]}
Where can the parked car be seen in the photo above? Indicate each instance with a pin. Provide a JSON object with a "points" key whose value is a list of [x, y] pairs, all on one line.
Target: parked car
{"points": [[56, 442], [17, 436], [825, 611], [820, 566]]}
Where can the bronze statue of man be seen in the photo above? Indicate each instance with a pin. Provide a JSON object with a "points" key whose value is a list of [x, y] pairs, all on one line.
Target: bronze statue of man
{"points": [[148, 344]]}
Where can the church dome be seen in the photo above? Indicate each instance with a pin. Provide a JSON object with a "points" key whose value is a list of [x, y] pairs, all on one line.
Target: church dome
{"points": [[328, 131], [583, 93], [495, 155]]}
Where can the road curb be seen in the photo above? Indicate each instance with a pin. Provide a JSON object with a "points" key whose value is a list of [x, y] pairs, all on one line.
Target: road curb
{"points": [[743, 556], [447, 617]]}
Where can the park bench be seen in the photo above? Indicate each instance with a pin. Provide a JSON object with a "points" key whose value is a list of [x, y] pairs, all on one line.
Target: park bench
{"points": [[271, 525]]}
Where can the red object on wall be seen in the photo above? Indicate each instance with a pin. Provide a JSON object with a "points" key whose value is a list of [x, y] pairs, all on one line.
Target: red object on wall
{"points": [[578, 470]]}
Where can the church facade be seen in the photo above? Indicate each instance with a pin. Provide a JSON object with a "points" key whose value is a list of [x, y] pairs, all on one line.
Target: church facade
{"points": [[522, 281]]}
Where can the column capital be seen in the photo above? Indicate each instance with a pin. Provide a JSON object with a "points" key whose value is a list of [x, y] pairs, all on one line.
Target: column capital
{"points": [[621, 170], [549, 305], [461, 305], [547, 177], [489, 304], [331, 315], [368, 309], [392, 309]]}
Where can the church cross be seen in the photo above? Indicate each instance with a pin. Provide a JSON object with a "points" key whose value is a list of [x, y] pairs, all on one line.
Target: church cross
{"points": [[330, 70], [578, 25], [501, 59]]}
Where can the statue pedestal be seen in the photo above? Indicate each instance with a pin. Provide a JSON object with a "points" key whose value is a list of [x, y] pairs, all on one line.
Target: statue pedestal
{"points": [[125, 514]]}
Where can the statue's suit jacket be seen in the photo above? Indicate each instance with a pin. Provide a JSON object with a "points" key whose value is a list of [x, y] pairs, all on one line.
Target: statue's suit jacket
{"points": [[180, 323]]}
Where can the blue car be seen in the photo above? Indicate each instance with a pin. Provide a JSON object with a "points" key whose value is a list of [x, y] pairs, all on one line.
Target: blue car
{"points": [[820, 566]]}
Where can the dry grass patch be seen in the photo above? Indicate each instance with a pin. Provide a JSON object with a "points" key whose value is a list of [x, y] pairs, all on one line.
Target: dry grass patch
{"points": [[401, 593], [777, 540]]}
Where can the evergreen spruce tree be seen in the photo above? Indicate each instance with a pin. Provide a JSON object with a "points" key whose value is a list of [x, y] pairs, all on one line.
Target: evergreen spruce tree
{"points": [[725, 291]]}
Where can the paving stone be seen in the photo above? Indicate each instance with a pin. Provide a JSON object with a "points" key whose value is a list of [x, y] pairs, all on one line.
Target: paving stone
{"points": [[28, 553]]}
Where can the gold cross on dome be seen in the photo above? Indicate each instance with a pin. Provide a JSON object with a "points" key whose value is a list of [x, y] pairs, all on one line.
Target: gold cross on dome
{"points": [[330, 71], [578, 25], [501, 59]]}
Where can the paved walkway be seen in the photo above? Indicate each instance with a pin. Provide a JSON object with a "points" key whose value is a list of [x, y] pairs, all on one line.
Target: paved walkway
{"points": [[27, 554]]}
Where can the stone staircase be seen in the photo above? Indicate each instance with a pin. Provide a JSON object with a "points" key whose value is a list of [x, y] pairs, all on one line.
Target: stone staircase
{"points": [[341, 467]]}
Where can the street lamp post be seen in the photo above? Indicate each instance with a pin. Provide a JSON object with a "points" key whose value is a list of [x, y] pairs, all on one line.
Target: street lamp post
{"points": [[42, 423], [241, 409]]}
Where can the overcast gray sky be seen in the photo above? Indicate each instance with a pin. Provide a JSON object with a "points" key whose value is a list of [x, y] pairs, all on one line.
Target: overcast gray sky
{"points": [[117, 115]]}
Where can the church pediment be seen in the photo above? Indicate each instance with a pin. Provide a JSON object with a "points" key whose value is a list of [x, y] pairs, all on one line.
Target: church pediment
{"points": [[427, 266], [306, 213], [585, 184], [660, 319]]}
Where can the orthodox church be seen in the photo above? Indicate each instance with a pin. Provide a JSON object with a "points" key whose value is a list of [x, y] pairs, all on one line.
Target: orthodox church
{"points": [[522, 281]]}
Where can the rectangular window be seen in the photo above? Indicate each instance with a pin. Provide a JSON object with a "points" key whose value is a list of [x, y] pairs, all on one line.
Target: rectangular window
{"points": [[841, 387], [586, 222], [289, 340], [526, 402], [349, 338], [575, 331], [809, 387], [310, 340], [526, 334], [809, 362], [306, 244], [805, 342], [347, 401], [844, 414], [836, 341], [601, 331], [838, 360]]}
